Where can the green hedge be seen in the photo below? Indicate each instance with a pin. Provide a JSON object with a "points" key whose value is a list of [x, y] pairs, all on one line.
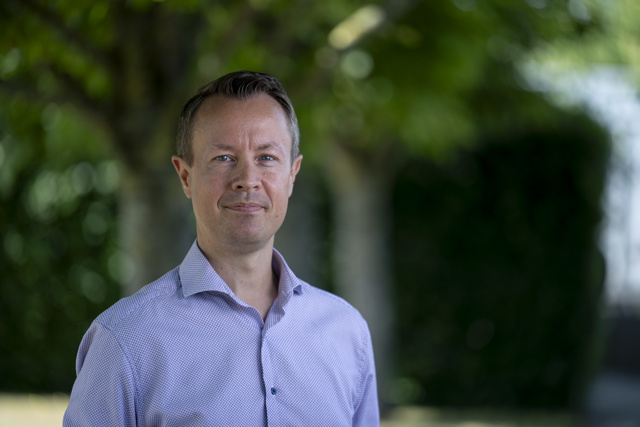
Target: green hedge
{"points": [[499, 274]]}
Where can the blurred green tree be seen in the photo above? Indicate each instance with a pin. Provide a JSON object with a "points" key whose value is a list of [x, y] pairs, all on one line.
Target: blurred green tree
{"points": [[610, 37], [58, 242], [374, 84]]}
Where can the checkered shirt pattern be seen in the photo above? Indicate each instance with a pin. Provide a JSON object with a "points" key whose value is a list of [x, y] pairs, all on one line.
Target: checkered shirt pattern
{"points": [[185, 351]]}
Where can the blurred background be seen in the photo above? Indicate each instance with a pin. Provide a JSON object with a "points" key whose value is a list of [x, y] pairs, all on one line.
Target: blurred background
{"points": [[470, 183]]}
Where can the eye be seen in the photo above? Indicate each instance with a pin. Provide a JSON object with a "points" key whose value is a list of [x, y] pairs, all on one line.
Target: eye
{"points": [[223, 158], [266, 158]]}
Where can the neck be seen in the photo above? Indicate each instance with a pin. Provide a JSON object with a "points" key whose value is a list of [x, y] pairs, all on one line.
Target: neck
{"points": [[248, 274]]}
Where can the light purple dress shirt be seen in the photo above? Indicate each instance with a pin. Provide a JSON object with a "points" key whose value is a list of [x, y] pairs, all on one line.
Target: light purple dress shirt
{"points": [[185, 351]]}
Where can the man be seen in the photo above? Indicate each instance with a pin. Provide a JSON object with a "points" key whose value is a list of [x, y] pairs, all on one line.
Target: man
{"points": [[231, 337]]}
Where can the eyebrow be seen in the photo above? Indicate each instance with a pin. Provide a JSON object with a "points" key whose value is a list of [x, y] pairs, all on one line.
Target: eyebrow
{"points": [[223, 147], [226, 147], [266, 146]]}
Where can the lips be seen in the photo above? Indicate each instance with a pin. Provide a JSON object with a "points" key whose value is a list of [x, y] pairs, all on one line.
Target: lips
{"points": [[244, 207]]}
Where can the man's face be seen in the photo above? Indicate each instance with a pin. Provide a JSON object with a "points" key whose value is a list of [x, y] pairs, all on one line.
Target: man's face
{"points": [[242, 175]]}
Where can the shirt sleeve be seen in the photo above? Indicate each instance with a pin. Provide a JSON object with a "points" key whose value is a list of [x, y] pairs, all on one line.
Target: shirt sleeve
{"points": [[104, 392], [367, 411]]}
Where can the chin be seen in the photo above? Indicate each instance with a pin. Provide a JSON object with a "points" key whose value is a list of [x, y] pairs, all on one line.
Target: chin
{"points": [[248, 240]]}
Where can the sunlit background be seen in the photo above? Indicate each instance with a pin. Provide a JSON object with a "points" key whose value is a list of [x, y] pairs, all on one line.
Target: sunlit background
{"points": [[470, 183]]}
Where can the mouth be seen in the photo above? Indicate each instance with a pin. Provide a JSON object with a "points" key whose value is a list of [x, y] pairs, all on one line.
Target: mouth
{"points": [[244, 207]]}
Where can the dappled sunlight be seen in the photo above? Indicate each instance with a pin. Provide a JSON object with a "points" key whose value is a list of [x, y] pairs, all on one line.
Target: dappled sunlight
{"points": [[362, 21]]}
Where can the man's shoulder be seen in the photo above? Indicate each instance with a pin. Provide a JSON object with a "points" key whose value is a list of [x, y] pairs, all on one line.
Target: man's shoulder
{"points": [[330, 303], [143, 298], [328, 297]]}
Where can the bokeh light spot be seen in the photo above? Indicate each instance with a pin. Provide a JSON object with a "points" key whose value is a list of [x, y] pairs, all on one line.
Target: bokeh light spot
{"points": [[579, 10], [10, 61], [83, 178], [121, 267], [107, 177], [357, 64], [88, 282], [349, 31], [13, 245], [465, 5], [43, 196], [98, 12]]}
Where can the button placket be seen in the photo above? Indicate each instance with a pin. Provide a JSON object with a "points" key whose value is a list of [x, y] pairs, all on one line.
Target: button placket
{"points": [[268, 381]]}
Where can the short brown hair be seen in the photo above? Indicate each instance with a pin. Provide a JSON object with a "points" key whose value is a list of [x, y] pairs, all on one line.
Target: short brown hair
{"points": [[240, 85]]}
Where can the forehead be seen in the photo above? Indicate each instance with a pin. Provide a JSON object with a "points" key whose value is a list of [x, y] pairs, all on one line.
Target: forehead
{"points": [[226, 113], [254, 122]]}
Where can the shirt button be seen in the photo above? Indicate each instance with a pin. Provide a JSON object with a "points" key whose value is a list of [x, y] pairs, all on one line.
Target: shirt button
{"points": [[273, 390]]}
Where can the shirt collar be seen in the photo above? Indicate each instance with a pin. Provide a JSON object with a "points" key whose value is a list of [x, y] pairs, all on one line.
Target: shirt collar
{"points": [[288, 283], [197, 275]]}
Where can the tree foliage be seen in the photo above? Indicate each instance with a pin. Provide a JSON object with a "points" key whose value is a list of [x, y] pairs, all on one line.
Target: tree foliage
{"points": [[91, 92], [59, 263]]}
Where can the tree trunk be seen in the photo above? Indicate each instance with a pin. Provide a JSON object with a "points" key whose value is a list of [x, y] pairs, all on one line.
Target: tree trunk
{"points": [[362, 252], [156, 225], [300, 239]]}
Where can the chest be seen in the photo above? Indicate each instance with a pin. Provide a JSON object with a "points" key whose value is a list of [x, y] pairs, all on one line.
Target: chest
{"points": [[233, 373]]}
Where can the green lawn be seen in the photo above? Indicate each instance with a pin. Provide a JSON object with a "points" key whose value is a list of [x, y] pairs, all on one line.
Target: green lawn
{"points": [[47, 410], [414, 416]]}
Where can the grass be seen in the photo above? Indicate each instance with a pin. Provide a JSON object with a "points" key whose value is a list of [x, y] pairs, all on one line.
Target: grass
{"points": [[35, 410], [415, 416]]}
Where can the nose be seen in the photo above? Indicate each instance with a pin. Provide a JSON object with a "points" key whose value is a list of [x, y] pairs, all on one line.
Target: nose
{"points": [[246, 177]]}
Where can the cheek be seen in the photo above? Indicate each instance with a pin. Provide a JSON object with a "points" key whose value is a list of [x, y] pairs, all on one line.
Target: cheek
{"points": [[208, 191]]}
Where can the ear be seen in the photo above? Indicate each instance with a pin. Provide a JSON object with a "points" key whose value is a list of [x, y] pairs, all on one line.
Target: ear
{"points": [[184, 172], [295, 168]]}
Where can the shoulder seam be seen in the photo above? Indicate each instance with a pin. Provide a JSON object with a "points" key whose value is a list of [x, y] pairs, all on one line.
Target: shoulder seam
{"points": [[116, 321], [138, 396]]}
